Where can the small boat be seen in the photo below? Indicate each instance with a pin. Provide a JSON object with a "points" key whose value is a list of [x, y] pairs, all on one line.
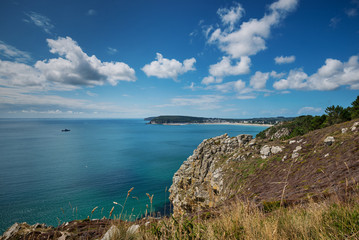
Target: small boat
{"points": [[65, 130]]}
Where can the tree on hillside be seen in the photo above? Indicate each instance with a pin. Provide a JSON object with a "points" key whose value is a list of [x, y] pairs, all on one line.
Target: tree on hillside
{"points": [[337, 114], [354, 110]]}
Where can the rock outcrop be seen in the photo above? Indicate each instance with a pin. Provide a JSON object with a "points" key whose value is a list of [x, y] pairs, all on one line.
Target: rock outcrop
{"points": [[199, 182]]}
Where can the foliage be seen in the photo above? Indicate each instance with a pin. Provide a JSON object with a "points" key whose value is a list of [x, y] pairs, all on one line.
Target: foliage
{"points": [[354, 110], [336, 115], [304, 124]]}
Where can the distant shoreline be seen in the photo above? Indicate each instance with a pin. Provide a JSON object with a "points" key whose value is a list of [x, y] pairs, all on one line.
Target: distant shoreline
{"points": [[219, 123]]}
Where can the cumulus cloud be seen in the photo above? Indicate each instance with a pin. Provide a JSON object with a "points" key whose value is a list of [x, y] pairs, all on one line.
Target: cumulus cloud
{"points": [[168, 68], [40, 21], [309, 110], [284, 60], [72, 69], [330, 76], [295, 80], [232, 15], [274, 74], [225, 67], [210, 79], [234, 86], [13, 53], [77, 68], [259, 80], [13, 74], [250, 38]]}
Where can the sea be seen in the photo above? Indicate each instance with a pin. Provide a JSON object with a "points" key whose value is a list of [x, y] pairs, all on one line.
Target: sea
{"points": [[49, 176]]}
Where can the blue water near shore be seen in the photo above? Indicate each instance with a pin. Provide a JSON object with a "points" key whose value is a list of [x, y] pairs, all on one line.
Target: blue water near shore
{"points": [[49, 176]]}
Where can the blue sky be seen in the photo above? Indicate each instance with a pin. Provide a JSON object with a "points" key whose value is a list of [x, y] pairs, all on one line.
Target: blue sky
{"points": [[211, 58]]}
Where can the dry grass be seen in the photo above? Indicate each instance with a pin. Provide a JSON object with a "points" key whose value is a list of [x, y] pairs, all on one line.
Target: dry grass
{"points": [[244, 220]]}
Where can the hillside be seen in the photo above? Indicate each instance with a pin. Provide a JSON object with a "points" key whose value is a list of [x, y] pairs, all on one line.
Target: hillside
{"points": [[316, 165]]}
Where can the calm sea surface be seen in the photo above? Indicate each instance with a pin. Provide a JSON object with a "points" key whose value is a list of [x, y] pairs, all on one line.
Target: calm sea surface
{"points": [[49, 176]]}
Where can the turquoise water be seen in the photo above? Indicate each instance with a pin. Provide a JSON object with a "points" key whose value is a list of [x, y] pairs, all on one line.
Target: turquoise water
{"points": [[52, 176]]}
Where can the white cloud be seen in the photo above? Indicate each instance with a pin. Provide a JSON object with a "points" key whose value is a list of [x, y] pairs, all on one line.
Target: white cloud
{"points": [[295, 80], [210, 79], [91, 94], [246, 97], [20, 74], [249, 39], [259, 80], [77, 68], [91, 12], [40, 21], [330, 76], [168, 68], [232, 15], [13, 53], [309, 110], [192, 86], [334, 22], [17, 101], [351, 12], [111, 50], [72, 70], [274, 74], [202, 102], [284, 60], [225, 67], [234, 86]]}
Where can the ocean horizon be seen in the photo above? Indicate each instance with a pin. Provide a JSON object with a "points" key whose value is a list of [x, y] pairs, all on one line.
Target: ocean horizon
{"points": [[49, 176]]}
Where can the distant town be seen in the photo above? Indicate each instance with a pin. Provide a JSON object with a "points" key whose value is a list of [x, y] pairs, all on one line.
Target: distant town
{"points": [[201, 120]]}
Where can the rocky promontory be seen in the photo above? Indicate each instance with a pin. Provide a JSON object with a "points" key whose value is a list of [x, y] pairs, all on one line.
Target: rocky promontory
{"points": [[316, 165], [200, 182]]}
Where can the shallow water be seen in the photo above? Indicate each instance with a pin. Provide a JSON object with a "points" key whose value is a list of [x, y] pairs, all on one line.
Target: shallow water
{"points": [[49, 176]]}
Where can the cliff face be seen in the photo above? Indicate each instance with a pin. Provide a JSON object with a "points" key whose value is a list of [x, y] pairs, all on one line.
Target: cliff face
{"points": [[200, 181], [319, 164]]}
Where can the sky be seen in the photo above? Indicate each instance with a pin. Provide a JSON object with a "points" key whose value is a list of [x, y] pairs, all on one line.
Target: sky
{"points": [[208, 58]]}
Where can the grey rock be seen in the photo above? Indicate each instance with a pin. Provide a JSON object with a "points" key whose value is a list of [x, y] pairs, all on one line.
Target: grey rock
{"points": [[133, 229], [283, 132], [354, 127], [243, 139], [292, 141], [297, 149], [265, 151], [11, 232], [276, 149], [112, 233], [329, 140], [344, 130]]}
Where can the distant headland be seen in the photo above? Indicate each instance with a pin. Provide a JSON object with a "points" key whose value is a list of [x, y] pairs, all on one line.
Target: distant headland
{"points": [[183, 120]]}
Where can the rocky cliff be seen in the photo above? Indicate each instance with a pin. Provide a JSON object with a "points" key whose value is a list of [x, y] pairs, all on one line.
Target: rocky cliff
{"points": [[319, 164], [200, 182]]}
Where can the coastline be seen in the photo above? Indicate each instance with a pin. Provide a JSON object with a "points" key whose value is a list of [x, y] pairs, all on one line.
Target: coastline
{"points": [[220, 123]]}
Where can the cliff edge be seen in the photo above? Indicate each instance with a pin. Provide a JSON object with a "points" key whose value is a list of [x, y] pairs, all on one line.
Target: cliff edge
{"points": [[316, 165]]}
